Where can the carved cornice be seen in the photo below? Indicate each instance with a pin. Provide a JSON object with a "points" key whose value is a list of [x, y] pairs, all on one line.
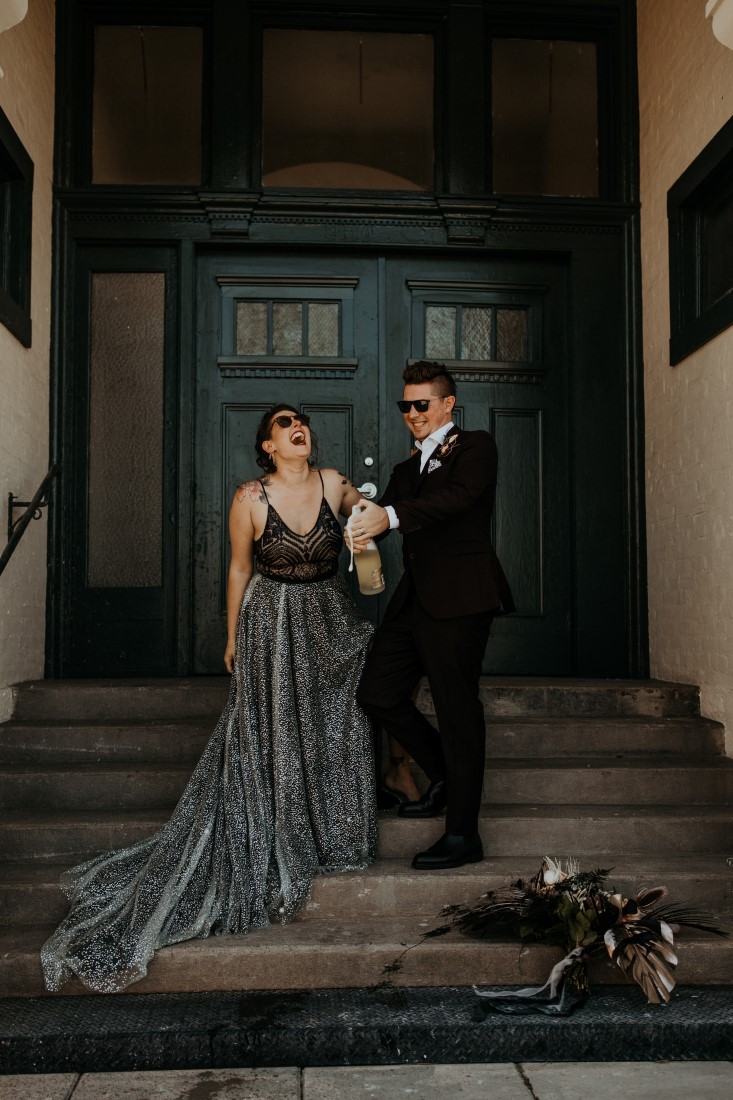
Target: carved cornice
{"points": [[467, 222], [229, 215], [234, 216], [522, 377], [286, 372]]}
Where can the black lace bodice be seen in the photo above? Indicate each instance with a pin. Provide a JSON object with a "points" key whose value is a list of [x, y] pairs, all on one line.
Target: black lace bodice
{"points": [[286, 556]]}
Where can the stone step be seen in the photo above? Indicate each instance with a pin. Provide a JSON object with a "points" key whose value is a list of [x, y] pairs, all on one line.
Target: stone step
{"points": [[509, 830], [183, 740], [653, 780], [321, 954], [88, 787], [626, 736], [520, 696], [127, 700], [576, 830], [96, 742], [30, 894]]}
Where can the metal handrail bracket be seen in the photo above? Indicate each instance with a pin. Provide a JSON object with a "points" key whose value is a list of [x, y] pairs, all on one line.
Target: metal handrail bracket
{"points": [[33, 508]]}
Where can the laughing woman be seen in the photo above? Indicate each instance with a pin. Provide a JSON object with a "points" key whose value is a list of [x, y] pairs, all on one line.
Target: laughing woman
{"points": [[284, 790]]}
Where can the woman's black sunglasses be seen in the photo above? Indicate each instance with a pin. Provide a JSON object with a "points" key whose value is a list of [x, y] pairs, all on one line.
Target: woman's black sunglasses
{"points": [[286, 421], [421, 406]]}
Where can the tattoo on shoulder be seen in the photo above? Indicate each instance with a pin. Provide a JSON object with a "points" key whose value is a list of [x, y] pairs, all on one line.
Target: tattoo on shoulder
{"points": [[344, 478], [254, 490]]}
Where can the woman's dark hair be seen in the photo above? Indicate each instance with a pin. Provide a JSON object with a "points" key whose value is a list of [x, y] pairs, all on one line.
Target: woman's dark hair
{"points": [[264, 428], [441, 379]]}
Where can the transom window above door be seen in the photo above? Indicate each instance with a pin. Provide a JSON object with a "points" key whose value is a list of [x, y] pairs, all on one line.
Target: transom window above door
{"points": [[146, 106], [453, 98], [544, 117], [347, 109]]}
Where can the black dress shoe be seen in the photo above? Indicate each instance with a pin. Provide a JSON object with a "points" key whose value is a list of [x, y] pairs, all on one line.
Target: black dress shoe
{"points": [[387, 799], [432, 803], [451, 850]]}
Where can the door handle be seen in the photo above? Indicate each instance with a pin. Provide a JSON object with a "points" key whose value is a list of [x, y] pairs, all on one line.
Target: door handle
{"points": [[368, 489]]}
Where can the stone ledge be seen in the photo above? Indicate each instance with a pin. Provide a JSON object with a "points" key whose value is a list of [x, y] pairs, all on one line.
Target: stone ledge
{"points": [[350, 1027]]}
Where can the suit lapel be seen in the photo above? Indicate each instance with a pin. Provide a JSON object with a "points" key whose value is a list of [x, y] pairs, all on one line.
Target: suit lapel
{"points": [[426, 468], [422, 474], [414, 471]]}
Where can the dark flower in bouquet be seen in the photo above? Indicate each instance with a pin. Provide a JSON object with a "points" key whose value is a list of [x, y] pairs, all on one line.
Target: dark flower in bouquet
{"points": [[572, 909]]}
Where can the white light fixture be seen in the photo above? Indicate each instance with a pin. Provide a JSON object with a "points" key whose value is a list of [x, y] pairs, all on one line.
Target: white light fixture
{"points": [[721, 13], [12, 12]]}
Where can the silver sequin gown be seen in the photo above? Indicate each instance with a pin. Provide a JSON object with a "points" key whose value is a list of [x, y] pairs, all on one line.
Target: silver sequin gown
{"points": [[283, 791]]}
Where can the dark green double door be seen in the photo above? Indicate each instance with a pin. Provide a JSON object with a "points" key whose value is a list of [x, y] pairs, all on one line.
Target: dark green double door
{"points": [[332, 334]]}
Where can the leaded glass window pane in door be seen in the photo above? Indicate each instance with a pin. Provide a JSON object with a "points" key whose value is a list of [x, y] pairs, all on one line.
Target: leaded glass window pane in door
{"points": [[323, 329], [476, 332], [287, 328], [440, 332], [252, 328], [511, 335]]}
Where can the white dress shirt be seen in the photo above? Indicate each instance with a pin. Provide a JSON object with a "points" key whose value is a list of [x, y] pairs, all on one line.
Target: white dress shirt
{"points": [[426, 448]]}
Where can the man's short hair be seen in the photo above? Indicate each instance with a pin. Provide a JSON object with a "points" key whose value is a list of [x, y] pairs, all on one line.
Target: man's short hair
{"points": [[437, 374]]}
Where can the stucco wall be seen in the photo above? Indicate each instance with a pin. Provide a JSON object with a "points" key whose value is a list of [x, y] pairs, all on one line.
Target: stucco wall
{"points": [[686, 94], [26, 97]]}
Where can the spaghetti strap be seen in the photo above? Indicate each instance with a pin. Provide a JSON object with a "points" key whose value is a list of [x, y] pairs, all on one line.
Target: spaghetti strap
{"points": [[264, 490], [323, 487]]}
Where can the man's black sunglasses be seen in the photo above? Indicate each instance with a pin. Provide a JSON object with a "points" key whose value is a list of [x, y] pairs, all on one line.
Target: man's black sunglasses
{"points": [[285, 421], [421, 406]]}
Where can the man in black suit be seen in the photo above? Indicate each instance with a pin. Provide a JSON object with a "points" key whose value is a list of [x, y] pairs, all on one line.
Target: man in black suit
{"points": [[438, 621]]}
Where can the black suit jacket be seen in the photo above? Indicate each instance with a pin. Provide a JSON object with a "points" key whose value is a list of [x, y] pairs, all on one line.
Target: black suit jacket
{"points": [[445, 522]]}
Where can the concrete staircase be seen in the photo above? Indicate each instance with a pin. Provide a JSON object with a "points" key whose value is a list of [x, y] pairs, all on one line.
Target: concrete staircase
{"points": [[623, 774]]}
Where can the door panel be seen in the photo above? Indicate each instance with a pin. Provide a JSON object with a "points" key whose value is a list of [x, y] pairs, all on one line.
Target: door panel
{"points": [[272, 329], [518, 516], [504, 321]]}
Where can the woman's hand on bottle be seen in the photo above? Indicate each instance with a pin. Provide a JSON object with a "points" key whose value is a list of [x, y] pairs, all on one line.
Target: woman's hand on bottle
{"points": [[360, 543], [229, 657]]}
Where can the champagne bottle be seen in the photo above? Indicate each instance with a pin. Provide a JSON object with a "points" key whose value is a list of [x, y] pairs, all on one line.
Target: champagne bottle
{"points": [[368, 562]]}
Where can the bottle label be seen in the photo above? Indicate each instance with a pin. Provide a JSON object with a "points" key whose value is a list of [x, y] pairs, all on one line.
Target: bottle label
{"points": [[377, 578]]}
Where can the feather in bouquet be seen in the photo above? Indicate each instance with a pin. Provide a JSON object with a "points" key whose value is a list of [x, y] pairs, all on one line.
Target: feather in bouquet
{"points": [[566, 907]]}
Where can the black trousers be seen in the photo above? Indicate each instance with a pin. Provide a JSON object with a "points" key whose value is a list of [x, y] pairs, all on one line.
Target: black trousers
{"points": [[449, 652]]}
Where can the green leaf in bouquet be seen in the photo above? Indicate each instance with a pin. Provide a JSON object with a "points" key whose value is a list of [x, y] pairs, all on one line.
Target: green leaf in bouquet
{"points": [[556, 935]]}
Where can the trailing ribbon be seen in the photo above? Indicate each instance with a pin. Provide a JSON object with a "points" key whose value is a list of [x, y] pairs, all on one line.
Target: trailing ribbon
{"points": [[556, 1002]]}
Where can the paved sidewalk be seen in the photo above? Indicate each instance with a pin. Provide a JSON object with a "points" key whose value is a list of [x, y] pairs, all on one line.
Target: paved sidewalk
{"points": [[497, 1081]]}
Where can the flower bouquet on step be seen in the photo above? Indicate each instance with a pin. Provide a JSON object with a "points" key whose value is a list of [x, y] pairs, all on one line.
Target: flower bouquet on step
{"points": [[572, 909]]}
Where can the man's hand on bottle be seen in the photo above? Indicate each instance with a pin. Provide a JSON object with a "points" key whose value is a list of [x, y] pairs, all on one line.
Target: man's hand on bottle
{"points": [[369, 523]]}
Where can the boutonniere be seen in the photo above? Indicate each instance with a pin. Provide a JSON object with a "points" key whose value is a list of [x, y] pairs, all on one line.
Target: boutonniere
{"points": [[450, 445]]}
